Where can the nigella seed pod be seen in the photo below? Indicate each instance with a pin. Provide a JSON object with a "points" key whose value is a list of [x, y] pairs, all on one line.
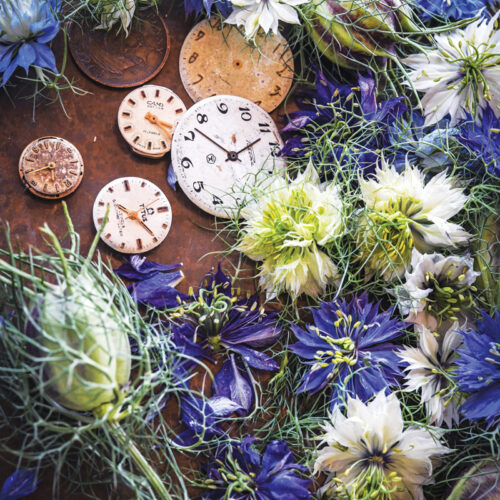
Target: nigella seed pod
{"points": [[87, 349], [350, 33]]}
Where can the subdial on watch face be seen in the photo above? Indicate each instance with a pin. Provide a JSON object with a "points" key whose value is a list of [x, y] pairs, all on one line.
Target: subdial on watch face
{"points": [[147, 118], [139, 218], [51, 167], [221, 147]]}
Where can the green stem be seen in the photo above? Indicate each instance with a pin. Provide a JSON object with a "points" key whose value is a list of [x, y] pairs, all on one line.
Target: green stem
{"points": [[139, 460], [457, 492]]}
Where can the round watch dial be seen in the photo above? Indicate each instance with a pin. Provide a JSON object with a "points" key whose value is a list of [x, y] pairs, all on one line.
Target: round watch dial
{"points": [[51, 167], [222, 145], [219, 60], [139, 217], [147, 118]]}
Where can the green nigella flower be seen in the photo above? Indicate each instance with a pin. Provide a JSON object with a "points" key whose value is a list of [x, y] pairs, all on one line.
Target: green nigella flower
{"points": [[404, 212], [288, 228]]}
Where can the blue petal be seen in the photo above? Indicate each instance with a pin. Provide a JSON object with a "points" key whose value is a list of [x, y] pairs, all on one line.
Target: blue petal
{"points": [[222, 406], [231, 383], [256, 359], [172, 178], [138, 268], [19, 484], [158, 291], [45, 57], [26, 56]]}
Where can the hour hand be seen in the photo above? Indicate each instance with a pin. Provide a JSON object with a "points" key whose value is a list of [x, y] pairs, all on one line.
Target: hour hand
{"points": [[139, 220], [156, 121]]}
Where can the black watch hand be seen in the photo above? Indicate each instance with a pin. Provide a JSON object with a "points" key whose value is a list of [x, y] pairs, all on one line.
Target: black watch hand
{"points": [[212, 141], [249, 146]]}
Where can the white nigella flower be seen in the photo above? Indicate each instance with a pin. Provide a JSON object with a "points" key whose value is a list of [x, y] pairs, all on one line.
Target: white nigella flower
{"points": [[287, 227], [406, 212], [430, 368], [117, 10], [369, 454], [438, 289], [266, 14], [462, 75]]}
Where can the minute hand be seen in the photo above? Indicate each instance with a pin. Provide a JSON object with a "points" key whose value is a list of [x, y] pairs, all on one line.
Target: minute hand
{"points": [[212, 141], [249, 146]]}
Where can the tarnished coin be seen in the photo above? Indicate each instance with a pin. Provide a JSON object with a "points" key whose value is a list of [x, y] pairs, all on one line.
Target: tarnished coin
{"points": [[114, 60]]}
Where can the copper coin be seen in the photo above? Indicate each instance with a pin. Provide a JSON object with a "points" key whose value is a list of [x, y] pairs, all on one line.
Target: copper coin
{"points": [[114, 60]]}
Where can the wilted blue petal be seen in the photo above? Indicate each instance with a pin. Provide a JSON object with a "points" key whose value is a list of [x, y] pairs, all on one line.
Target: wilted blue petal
{"points": [[19, 484]]}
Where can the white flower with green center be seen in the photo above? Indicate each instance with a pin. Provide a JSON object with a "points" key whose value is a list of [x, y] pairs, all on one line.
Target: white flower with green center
{"points": [[369, 454], [462, 75], [265, 14], [431, 368], [405, 212], [117, 11], [286, 228], [438, 290]]}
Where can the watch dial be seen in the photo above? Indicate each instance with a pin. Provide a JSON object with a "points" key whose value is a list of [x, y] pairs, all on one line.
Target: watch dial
{"points": [[218, 60], [51, 167], [139, 217], [147, 118], [222, 145]]}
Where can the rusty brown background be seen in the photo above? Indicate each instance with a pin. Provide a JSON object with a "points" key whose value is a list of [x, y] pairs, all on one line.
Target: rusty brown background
{"points": [[91, 127]]}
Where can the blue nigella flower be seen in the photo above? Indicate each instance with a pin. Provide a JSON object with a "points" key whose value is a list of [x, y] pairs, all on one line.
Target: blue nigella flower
{"points": [[455, 9], [483, 139], [418, 145], [239, 472], [225, 7], [234, 328], [478, 371], [355, 108], [26, 26], [19, 484], [154, 284], [348, 350]]}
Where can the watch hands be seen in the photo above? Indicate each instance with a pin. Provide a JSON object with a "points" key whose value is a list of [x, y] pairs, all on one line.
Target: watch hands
{"points": [[51, 165], [156, 121], [144, 226], [249, 146], [134, 215], [212, 141]]}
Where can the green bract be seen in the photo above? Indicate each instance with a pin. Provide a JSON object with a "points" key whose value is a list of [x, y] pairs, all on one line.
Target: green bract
{"points": [[350, 33], [88, 341]]}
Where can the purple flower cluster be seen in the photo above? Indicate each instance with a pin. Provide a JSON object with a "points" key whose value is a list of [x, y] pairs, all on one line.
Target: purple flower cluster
{"points": [[239, 472], [348, 350]]}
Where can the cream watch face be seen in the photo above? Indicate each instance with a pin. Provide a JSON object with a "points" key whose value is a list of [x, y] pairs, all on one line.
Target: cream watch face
{"points": [[147, 118], [217, 59], [221, 146], [139, 217]]}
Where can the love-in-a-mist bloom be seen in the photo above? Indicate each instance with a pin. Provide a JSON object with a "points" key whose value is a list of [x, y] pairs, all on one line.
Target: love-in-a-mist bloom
{"points": [[265, 14], [369, 454], [461, 75], [117, 11], [288, 228], [403, 212], [437, 290], [348, 350], [239, 472], [430, 368], [478, 371], [26, 27]]}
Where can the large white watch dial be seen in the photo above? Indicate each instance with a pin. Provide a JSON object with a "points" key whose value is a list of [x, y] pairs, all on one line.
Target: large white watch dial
{"points": [[221, 146], [139, 217]]}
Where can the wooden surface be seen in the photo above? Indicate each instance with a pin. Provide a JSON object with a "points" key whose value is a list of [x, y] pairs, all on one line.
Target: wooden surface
{"points": [[92, 128]]}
